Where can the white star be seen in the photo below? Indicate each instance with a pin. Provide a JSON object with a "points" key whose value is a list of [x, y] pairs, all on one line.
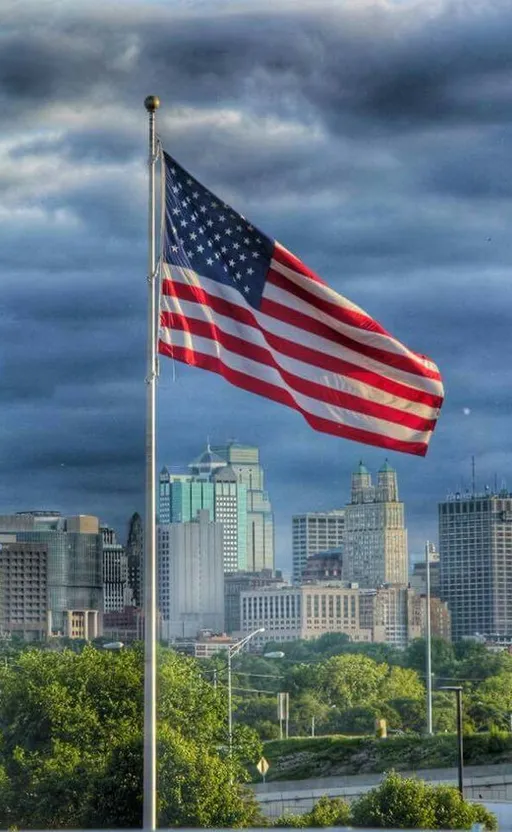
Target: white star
{"points": [[174, 248], [201, 229], [210, 243], [238, 275], [228, 231], [246, 241], [173, 170], [236, 245], [184, 202], [239, 228], [196, 194], [189, 181], [214, 204], [223, 249], [250, 271], [217, 255], [246, 290], [255, 254], [174, 189], [203, 209], [183, 223], [242, 257], [216, 236], [190, 253], [193, 236], [175, 211], [210, 261], [209, 223], [231, 262], [200, 249], [222, 218]]}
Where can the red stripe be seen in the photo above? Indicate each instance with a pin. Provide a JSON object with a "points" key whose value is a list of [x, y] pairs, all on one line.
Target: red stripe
{"points": [[346, 315], [271, 391], [314, 390], [309, 355], [282, 255], [313, 325], [335, 310]]}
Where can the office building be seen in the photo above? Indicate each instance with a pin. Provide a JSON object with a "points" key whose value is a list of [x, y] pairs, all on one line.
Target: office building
{"points": [[116, 591], [392, 615], [191, 577], [475, 551], [74, 559], [245, 461], [135, 560], [24, 589], [375, 537], [313, 533], [237, 582]]}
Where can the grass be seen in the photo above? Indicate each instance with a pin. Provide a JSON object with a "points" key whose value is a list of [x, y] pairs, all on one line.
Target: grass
{"points": [[301, 758]]}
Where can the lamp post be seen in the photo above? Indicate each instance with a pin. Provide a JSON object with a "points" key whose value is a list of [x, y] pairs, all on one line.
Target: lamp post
{"points": [[458, 693], [428, 641], [233, 649]]}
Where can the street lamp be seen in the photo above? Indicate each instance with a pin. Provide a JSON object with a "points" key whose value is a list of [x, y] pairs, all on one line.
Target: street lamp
{"points": [[233, 649], [458, 693]]}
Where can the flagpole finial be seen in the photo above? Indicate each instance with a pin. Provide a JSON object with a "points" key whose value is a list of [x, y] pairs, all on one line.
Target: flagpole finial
{"points": [[152, 103]]}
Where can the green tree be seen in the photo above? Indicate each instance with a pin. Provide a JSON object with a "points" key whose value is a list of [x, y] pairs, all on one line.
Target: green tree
{"points": [[400, 683], [71, 725], [349, 681], [304, 708]]}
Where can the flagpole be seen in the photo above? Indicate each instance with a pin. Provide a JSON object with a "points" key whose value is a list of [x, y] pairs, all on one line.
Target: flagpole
{"points": [[151, 104]]}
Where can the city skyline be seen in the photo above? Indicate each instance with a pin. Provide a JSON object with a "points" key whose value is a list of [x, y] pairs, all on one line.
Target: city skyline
{"points": [[347, 150]]}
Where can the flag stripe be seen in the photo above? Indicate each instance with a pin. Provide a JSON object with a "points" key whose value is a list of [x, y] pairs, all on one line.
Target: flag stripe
{"points": [[295, 358], [328, 355], [300, 383], [277, 393], [301, 315], [288, 266]]}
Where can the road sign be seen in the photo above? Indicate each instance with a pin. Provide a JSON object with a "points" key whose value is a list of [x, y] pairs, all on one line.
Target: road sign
{"points": [[263, 766]]}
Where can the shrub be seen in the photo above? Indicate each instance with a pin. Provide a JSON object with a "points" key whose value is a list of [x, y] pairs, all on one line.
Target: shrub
{"points": [[290, 821], [407, 803], [399, 802], [329, 811]]}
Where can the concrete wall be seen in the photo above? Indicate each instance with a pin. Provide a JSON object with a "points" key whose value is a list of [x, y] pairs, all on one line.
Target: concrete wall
{"points": [[481, 783]]}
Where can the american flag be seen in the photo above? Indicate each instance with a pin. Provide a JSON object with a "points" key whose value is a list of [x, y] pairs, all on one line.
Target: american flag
{"points": [[237, 303]]}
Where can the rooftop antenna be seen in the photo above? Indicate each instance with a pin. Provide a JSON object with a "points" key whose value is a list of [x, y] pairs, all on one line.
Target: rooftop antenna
{"points": [[496, 483], [473, 475]]}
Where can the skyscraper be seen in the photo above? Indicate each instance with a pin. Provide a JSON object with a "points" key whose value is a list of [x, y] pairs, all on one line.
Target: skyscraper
{"points": [[245, 462], [313, 533], [116, 591], [191, 576], [135, 558], [211, 485], [475, 555], [375, 537]]}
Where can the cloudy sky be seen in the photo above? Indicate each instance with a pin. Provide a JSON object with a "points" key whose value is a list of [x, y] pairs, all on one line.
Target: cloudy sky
{"points": [[372, 138]]}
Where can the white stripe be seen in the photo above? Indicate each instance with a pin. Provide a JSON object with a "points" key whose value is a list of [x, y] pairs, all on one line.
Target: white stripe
{"points": [[323, 410], [310, 372], [296, 335], [325, 293]]}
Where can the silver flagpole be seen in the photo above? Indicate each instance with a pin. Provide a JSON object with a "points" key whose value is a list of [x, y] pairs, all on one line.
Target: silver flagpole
{"points": [[151, 104]]}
